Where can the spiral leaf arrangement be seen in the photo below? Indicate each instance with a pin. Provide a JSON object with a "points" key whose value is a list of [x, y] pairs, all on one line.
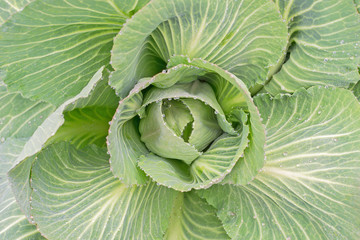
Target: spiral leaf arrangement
{"points": [[179, 119]]}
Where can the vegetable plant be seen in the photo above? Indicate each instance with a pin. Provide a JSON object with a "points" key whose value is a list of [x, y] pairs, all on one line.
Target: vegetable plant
{"points": [[179, 119]]}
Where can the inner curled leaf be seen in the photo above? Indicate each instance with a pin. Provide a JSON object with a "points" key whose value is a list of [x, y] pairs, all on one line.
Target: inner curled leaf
{"points": [[186, 134], [179, 128], [178, 117]]}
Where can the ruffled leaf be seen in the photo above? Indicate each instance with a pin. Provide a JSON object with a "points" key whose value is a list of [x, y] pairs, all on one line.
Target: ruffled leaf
{"points": [[309, 186], [193, 218], [13, 222], [91, 203], [323, 45], [229, 33]]}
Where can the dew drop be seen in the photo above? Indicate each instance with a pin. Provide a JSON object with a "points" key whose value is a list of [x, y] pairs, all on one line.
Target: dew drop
{"points": [[231, 213], [285, 154]]}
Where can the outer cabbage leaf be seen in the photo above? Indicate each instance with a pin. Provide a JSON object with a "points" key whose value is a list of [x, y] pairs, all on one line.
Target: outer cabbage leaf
{"points": [[357, 5], [309, 186], [91, 203], [59, 45], [356, 90], [193, 218], [25, 126], [13, 222], [323, 45], [52, 121], [10, 7], [231, 34], [67, 127]]}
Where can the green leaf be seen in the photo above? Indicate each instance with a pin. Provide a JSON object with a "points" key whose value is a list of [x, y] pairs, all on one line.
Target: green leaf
{"points": [[84, 126], [161, 140], [59, 45], [102, 95], [356, 90], [323, 45], [194, 90], [309, 186], [177, 116], [10, 7], [357, 5], [54, 120], [75, 196], [86, 119], [38, 121], [20, 117], [19, 177], [205, 126], [245, 169], [211, 167], [124, 143], [233, 34], [19, 174], [13, 222], [193, 218]]}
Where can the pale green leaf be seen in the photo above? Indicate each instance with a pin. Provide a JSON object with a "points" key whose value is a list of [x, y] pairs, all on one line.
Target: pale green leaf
{"points": [[124, 143], [161, 140], [20, 117], [245, 169], [37, 120], [211, 167], [59, 44], [324, 47], [10, 7], [75, 196], [245, 37], [205, 126], [13, 223], [86, 120], [309, 186], [356, 90], [177, 116], [357, 5], [194, 90], [102, 95], [19, 174], [19, 177], [193, 218], [54, 120], [84, 126]]}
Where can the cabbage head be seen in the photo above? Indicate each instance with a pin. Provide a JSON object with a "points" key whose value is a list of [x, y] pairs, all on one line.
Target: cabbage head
{"points": [[179, 119]]}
